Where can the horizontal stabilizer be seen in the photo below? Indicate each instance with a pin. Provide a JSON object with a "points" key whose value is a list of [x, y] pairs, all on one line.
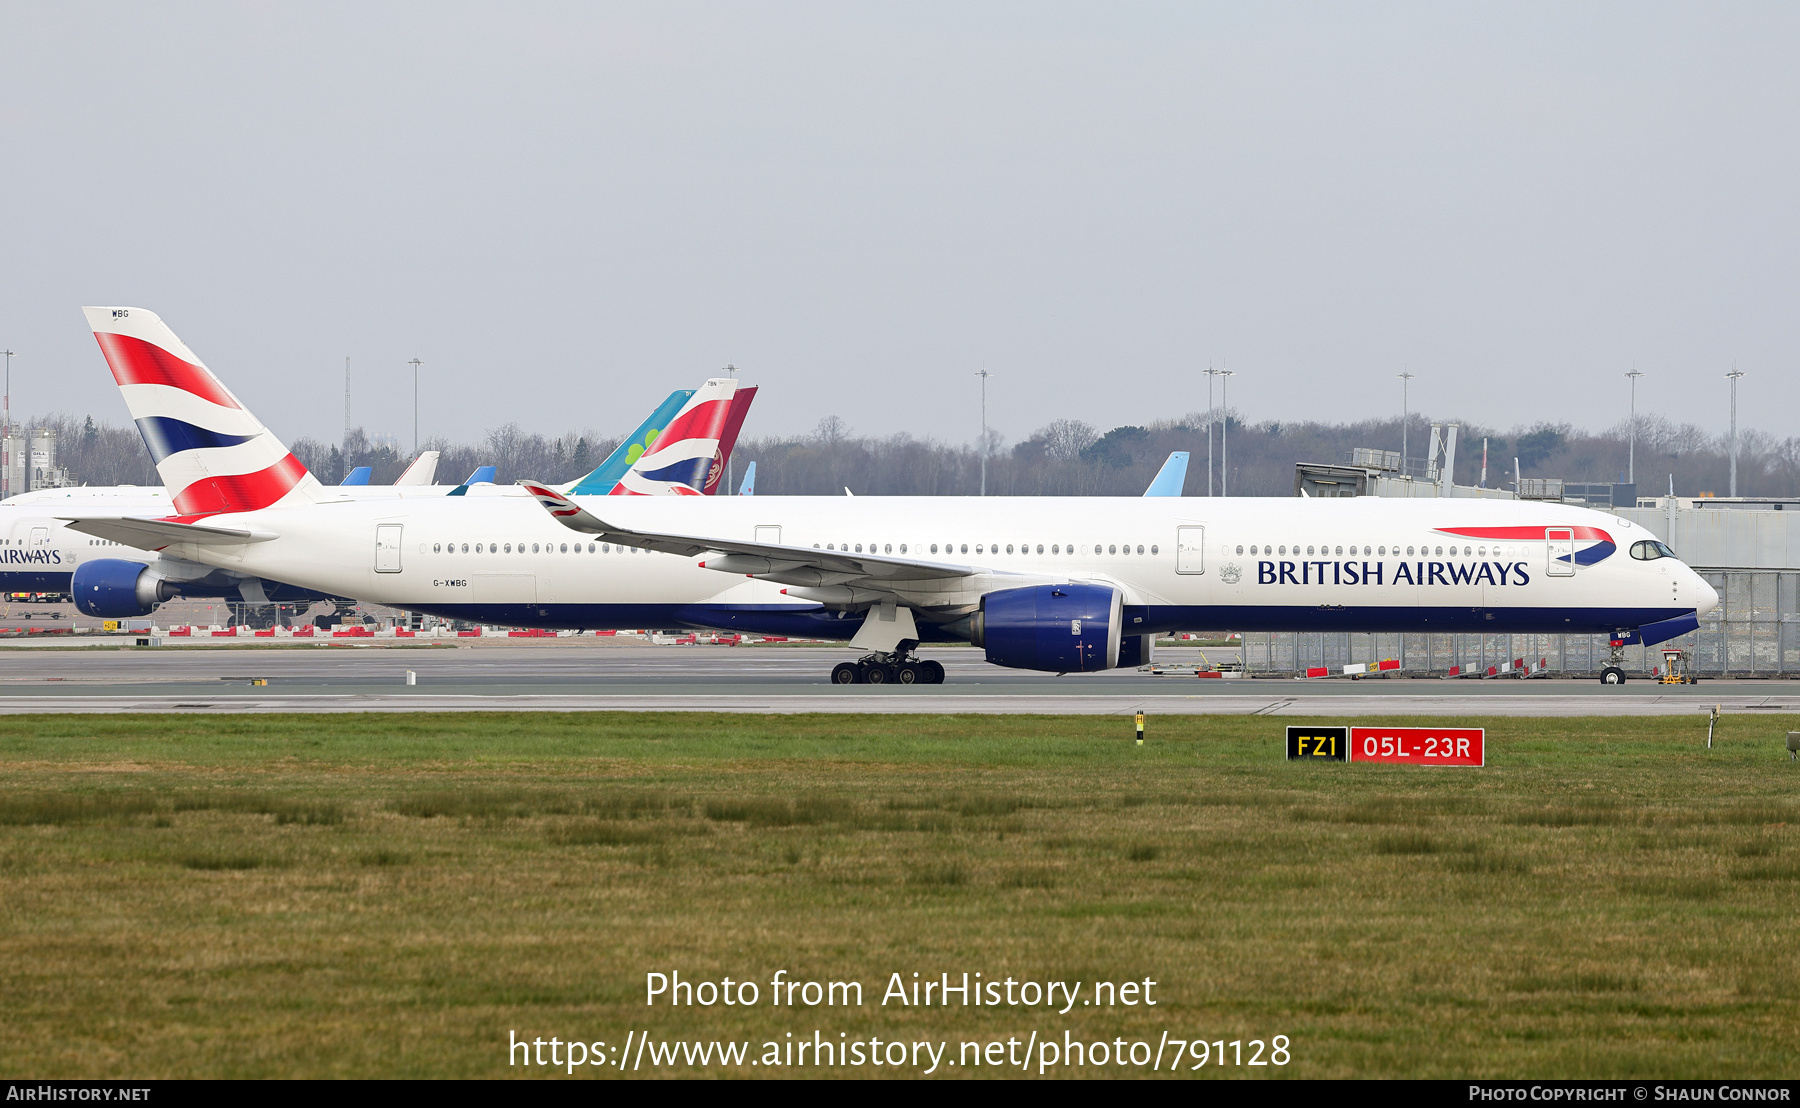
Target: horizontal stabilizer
{"points": [[154, 534]]}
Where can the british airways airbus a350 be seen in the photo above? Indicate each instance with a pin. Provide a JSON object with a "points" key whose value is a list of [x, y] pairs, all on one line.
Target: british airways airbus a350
{"points": [[1059, 584]]}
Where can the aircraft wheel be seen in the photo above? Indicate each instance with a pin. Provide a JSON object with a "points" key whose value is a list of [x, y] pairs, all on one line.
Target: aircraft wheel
{"points": [[844, 673], [931, 672], [1612, 675], [877, 675], [908, 674]]}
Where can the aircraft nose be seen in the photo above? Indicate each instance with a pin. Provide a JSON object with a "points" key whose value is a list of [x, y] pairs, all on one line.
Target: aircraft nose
{"points": [[1707, 595]]}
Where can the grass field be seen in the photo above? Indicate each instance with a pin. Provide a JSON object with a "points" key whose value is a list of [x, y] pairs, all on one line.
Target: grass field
{"points": [[391, 895]]}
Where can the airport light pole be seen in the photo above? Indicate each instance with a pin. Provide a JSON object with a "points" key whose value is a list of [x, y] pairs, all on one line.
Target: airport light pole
{"points": [[984, 375], [731, 371], [1224, 433], [1211, 414], [6, 488], [1405, 414], [1733, 378], [415, 363], [1632, 463]]}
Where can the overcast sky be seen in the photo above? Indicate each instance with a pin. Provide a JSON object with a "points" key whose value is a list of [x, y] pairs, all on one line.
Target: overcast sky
{"points": [[567, 210]]}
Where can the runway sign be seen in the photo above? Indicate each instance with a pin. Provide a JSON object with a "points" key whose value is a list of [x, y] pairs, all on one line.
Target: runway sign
{"points": [[1417, 746], [1325, 744]]}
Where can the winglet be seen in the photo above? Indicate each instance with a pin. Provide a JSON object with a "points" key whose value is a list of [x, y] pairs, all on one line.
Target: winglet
{"points": [[567, 512], [1171, 477]]}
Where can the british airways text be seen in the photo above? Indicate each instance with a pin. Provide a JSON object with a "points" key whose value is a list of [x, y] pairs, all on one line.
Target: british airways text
{"points": [[1405, 573]]}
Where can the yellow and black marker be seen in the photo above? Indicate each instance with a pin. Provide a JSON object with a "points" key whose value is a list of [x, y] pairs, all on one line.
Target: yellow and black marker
{"points": [[1323, 744], [1140, 725]]}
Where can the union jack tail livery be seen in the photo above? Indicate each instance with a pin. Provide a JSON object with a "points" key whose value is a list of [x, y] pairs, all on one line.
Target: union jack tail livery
{"points": [[212, 454], [685, 458]]}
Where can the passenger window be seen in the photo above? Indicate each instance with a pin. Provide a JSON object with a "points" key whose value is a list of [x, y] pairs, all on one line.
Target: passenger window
{"points": [[1340, 551], [1153, 549], [934, 548], [1056, 548], [1440, 552], [1240, 550], [1040, 548], [465, 548], [1112, 550], [902, 548], [1009, 548], [965, 548], [534, 548], [1140, 549], [886, 549], [436, 547], [977, 548], [565, 548]]}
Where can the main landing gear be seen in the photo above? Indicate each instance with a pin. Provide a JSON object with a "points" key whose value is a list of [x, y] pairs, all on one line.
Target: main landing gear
{"points": [[902, 667]]}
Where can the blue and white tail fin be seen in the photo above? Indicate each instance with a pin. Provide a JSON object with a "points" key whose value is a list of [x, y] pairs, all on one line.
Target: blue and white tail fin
{"points": [[358, 476], [483, 475], [748, 488]]}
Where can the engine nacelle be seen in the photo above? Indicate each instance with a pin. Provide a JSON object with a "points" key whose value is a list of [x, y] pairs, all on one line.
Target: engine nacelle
{"points": [[1056, 628], [113, 588]]}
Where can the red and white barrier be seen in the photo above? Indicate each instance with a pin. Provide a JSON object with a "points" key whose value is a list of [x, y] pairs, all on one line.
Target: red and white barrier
{"points": [[1516, 667], [1359, 669]]}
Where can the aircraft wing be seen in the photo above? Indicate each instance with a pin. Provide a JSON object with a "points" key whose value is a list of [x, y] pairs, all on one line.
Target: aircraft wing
{"points": [[154, 534], [755, 558]]}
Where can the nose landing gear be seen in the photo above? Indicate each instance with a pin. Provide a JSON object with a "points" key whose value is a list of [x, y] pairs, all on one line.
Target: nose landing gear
{"points": [[1613, 673], [901, 667]]}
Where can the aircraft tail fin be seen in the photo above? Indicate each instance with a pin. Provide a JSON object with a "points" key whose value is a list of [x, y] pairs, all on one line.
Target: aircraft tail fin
{"points": [[358, 476], [748, 488], [607, 473], [684, 459], [212, 454], [728, 435], [1171, 477], [483, 475], [422, 471]]}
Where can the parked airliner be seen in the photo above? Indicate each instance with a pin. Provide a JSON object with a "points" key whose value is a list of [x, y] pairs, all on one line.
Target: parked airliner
{"points": [[1058, 584]]}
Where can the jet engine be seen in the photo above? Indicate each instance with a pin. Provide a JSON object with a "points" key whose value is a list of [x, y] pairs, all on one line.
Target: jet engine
{"points": [[113, 588], [1070, 628]]}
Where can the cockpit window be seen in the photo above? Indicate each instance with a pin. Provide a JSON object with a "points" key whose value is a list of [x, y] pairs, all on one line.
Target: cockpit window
{"points": [[1650, 551]]}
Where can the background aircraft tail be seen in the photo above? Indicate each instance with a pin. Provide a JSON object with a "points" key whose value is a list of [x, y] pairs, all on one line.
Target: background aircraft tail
{"points": [[685, 457], [728, 436], [212, 454], [607, 474], [1171, 477], [422, 471]]}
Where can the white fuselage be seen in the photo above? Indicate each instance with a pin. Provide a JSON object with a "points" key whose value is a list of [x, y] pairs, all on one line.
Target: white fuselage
{"points": [[1362, 564]]}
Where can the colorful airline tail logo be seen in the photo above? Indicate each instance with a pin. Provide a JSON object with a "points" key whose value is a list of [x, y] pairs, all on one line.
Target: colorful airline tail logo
{"points": [[1591, 543], [680, 461], [213, 455]]}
